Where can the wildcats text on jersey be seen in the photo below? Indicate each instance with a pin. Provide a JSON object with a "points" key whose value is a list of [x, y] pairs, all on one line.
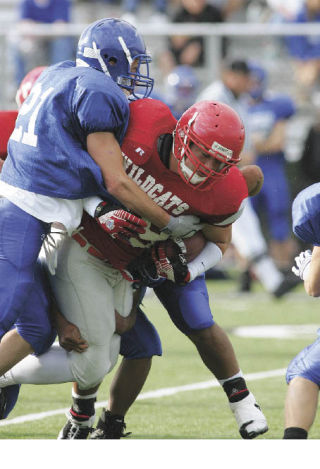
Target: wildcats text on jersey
{"points": [[154, 189]]}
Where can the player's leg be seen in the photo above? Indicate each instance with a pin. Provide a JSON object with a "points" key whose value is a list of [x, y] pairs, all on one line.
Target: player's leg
{"points": [[301, 406], [35, 328], [303, 378], [95, 292], [256, 253], [138, 346], [21, 237], [189, 309], [277, 209]]}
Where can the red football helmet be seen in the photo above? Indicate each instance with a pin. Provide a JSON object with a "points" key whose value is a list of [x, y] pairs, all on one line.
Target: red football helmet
{"points": [[218, 131], [27, 83]]}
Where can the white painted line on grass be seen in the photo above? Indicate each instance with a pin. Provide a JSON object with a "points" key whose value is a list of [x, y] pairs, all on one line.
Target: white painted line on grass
{"points": [[147, 395]]}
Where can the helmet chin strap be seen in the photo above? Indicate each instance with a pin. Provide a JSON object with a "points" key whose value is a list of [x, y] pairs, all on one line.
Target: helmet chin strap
{"points": [[193, 178]]}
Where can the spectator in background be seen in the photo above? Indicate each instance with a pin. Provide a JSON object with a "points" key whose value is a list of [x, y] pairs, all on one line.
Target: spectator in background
{"points": [[309, 163], [305, 51], [268, 117], [228, 7], [189, 50], [247, 237], [130, 8], [284, 10], [181, 89], [32, 51]]}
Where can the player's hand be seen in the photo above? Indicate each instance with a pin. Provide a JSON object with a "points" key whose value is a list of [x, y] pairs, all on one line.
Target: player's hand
{"points": [[51, 245], [301, 269], [170, 262], [70, 338], [183, 226], [121, 224], [159, 263]]}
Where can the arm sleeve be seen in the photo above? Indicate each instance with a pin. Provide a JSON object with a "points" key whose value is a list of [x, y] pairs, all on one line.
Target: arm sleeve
{"points": [[100, 107], [210, 255], [90, 204]]}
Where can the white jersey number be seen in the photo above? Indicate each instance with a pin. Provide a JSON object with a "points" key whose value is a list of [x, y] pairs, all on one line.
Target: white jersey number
{"points": [[36, 100]]}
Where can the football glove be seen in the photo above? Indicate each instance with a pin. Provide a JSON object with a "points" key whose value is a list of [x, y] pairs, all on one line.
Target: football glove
{"points": [[118, 223], [165, 260], [301, 269], [182, 226]]}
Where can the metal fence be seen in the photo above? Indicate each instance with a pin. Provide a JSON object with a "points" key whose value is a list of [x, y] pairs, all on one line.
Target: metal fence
{"points": [[247, 39]]}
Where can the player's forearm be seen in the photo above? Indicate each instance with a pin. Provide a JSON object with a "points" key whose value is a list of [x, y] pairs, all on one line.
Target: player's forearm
{"points": [[135, 199], [106, 152], [219, 235], [210, 256]]}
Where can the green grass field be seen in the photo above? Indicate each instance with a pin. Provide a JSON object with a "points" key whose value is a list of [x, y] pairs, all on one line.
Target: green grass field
{"points": [[198, 413]]}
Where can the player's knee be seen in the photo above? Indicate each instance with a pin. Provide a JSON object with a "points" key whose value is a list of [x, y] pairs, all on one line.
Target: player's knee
{"points": [[90, 367], [202, 335]]}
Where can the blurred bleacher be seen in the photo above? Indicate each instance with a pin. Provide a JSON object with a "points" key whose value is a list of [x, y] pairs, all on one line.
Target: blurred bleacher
{"points": [[244, 42]]}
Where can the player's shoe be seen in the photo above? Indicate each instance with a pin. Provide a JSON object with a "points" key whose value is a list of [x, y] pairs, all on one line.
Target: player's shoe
{"points": [[289, 282], [110, 427], [78, 427], [8, 398], [249, 417]]}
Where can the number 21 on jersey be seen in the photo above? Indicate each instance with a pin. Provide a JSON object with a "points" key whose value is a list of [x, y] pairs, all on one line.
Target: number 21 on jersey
{"points": [[32, 105]]}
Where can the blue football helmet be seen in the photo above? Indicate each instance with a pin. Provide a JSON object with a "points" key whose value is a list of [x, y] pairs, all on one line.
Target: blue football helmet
{"points": [[113, 46], [181, 89], [258, 80]]}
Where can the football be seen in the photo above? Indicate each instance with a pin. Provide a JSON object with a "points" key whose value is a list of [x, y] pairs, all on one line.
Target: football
{"points": [[194, 246]]}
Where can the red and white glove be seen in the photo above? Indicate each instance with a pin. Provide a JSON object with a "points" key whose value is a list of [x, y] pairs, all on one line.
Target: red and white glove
{"points": [[165, 260], [120, 224], [172, 266]]}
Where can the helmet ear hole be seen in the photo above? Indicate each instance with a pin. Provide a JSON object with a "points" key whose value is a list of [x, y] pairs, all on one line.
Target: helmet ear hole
{"points": [[112, 60]]}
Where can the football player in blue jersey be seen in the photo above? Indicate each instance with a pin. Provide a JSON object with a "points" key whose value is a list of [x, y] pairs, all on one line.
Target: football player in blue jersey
{"points": [[65, 148], [303, 373], [269, 114], [181, 89]]}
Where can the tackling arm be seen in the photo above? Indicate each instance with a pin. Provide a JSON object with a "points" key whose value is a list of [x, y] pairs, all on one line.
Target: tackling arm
{"points": [[105, 150]]}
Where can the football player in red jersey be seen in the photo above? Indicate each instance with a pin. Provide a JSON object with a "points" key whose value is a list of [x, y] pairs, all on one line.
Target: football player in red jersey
{"points": [[198, 176]]}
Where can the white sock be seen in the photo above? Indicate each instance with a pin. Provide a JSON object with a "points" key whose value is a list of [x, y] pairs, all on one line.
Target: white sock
{"points": [[50, 368], [237, 375], [268, 274], [79, 396]]}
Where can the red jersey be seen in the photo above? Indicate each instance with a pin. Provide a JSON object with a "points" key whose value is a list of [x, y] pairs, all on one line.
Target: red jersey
{"points": [[7, 124], [219, 204]]}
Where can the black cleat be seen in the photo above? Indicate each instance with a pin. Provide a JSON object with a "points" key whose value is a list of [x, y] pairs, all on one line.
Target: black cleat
{"points": [[245, 281], [8, 398], [3, 403], [110, 427], [76, 428], [289, 282]]}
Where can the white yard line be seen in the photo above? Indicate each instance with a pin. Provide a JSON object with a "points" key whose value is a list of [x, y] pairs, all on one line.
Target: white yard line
{"points": [[147, 395]]}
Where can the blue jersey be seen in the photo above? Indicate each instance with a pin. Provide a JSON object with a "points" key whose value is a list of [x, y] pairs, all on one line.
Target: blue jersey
{"points": [[265, 114], [46, 12], [304, 47], [47, 151], [306, 215]]}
